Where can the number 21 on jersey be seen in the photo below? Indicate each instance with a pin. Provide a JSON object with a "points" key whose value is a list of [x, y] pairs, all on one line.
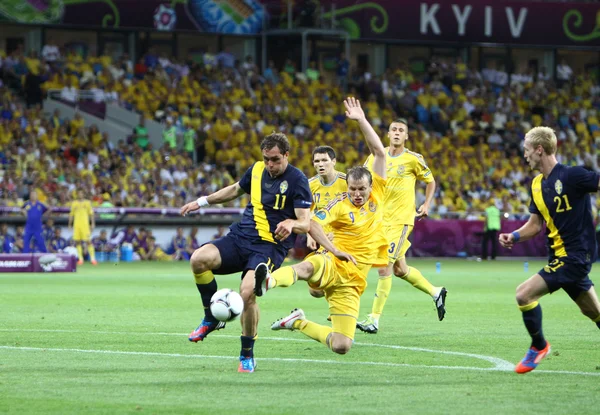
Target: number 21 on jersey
{"points": [[560, 208]]}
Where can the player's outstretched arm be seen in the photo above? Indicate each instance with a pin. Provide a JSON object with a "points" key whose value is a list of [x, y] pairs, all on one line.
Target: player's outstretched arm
{"points": [[224, 195], [355, 112], [531, 228], [318, 234]]}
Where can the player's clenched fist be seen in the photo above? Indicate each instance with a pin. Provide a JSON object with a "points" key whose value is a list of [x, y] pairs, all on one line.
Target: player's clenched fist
{"points": [[507, 240]]}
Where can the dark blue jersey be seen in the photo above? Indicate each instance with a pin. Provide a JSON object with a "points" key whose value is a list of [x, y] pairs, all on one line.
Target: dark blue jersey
{"points": [[34, 216], [272, 200], [58, 244], [564, 202]]}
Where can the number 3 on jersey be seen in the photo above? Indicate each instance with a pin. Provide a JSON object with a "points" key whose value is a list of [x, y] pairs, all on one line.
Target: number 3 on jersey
{"points": [[279, 206], [560, 208]]}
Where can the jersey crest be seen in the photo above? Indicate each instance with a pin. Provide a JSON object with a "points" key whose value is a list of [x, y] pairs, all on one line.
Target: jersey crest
{"points": [[283, 186], [558, 186]]}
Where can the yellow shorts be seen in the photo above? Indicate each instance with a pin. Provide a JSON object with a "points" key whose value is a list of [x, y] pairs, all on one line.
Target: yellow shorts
{"points": [[343, 283], [81, 234], [397, 237]]}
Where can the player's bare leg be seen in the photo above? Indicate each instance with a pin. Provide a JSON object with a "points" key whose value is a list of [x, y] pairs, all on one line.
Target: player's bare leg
{"points": [[203, 260], [528, 294], [589, 305], [417, 280]]}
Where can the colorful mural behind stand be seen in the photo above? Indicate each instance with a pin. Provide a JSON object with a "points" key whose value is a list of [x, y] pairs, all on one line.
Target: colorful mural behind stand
{"points": [[486, 21]]}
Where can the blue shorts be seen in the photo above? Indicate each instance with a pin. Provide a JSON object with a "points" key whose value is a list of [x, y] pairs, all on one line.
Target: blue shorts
{"points": [[239, 254], [571, 277]]}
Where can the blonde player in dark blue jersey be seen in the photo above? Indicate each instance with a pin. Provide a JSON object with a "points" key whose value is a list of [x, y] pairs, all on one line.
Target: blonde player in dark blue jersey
{"points": [[560, 197], [279, 208]]}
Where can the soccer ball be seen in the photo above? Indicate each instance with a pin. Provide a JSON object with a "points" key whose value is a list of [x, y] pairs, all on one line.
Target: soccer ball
{"points": [[226, 305]]}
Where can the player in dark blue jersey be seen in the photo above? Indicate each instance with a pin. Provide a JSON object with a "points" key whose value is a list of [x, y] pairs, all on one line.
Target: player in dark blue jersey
{"points": [[278, 210], [560, 197]]}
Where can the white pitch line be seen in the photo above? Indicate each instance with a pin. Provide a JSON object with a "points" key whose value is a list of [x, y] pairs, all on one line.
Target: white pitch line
{"points": [[272, 359], [282, 359], [499, 364]]}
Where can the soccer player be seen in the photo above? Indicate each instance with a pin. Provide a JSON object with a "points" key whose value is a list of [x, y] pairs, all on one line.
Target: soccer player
{"points": [[404, 168], [327, 185], [560, 197], [80, 217], [279, 208], [34, 210], [356, 219]]}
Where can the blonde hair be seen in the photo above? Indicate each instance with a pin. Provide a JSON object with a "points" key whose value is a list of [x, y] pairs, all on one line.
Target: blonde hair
{"points": [[542, 136]]}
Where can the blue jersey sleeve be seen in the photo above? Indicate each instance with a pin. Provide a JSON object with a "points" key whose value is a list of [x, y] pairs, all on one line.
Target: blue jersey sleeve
{"points": [[586, 181], [302, 193], [532, 206], [246, 180]]}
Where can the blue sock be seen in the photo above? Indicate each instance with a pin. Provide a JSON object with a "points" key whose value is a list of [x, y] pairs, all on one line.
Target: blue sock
{"points": [[247, 346], [533, 321]]}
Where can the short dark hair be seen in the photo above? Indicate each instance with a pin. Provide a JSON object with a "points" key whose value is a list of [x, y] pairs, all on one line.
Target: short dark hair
{"points": [[358, 173], [276, 139], [400, 121], [324, 150]]}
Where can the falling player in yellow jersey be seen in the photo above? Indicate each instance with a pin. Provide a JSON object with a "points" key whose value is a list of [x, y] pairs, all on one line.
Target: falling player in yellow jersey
{"points": [[79, 218], [404, 167], [357, 215]]}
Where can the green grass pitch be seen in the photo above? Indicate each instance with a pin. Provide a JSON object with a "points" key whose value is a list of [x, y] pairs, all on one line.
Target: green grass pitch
{"points": [[113, 339]]}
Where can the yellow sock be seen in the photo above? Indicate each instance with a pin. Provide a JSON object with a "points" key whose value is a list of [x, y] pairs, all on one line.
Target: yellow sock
{"points": [[528, 307], [204, 277], [80, 251], [284, 277], [314, 331], [417, 280], [384, 286], [92, 252]]}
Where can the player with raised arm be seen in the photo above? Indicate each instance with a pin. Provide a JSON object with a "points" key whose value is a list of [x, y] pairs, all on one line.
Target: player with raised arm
{"points": [[356, 216], [279, 208], [560, 197], [404, 168]]}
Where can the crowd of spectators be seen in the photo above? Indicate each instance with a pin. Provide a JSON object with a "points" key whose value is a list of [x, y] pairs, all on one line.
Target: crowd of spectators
{"points": [[468, 124], [142, 242]]}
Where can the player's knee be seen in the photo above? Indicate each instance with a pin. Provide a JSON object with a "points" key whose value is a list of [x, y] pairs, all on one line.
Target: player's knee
{"points": [[400, 270], [385, 271], [522, 295], [340, 344], [316, 293], [202, 260]]}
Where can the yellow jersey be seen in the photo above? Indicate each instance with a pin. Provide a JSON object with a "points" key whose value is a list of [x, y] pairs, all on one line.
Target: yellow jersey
{"points": [[323, 194], [358, 230], [81, 211], [403, 171]]}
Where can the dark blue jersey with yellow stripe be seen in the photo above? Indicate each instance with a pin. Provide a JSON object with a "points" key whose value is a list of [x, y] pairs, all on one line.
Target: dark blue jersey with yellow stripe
{"points": [[564, 202], [272, 200]]}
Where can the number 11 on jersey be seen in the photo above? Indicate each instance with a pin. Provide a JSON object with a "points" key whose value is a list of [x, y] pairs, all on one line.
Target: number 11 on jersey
{"points": [[277, 205]]}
